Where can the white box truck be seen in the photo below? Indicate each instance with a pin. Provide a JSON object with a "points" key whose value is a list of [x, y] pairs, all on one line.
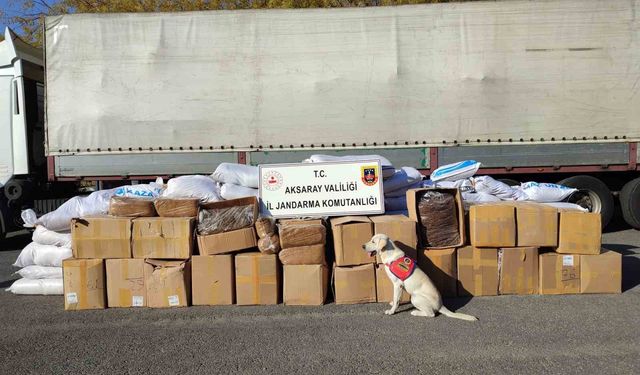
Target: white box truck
{"points": [[535, 90]]}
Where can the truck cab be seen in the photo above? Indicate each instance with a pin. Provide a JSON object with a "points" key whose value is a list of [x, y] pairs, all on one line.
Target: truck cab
{"points": [[22, 158]]}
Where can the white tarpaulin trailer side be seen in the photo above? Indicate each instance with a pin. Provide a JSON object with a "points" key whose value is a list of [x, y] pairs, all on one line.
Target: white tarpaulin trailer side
{"points": [[466, 71]]}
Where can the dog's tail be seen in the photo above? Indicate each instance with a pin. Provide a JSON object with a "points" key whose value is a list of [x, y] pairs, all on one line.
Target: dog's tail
{"points": [[446, 312]]}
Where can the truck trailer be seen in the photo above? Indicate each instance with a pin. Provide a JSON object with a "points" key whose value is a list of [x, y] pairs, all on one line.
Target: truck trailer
{"points": [[534, 90]]}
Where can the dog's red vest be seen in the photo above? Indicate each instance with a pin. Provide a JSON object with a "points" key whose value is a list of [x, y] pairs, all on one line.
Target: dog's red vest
{"points": [[402, 268]]}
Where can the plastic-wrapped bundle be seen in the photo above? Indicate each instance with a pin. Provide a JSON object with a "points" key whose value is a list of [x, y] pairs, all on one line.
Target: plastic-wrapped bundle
{"points": [[269, 244], [45, 287], [131, 207], [265, 226], [438, 215], [168, 207], [44, 236], [218, 220], [314, 254], [302, 235], [237, 174]]}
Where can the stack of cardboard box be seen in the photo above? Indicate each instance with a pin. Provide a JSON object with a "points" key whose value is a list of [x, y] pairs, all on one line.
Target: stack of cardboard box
{"points": [[303, 257]]}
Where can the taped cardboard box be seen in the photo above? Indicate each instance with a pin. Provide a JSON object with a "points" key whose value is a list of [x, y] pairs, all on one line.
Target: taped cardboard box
{"points": [[537, 225], [384, 287], [228, 242], [257, 279], [168, 282], [131, 207], [125, 283], [559, 274], [302, 235], [401, 230], [163, 237], [355, 284], [101, 237], [305, 285], [601, 273], [304, 255], [84, 284], [413, 201], [477, 271], [492, 225], [579, 233], [228, 215], [167, 207], [518, 270], [213, 280], [349, 234], [441, 267]]}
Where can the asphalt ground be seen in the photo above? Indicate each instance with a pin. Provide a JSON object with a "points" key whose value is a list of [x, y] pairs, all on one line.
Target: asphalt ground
{"points": [[573, 334]]}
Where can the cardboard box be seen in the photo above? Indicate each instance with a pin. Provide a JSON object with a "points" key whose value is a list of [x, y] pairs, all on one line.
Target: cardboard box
{"points": [[579, 233], [518, 270], [492, 225], [213, 280], [163, 237], [601, 273], [559, 274], [537, 225], [401, 230], [227, 242], [168, 282], [226, 204], [413, 198], [354, 284], [477, 271], [384, 287], [125, 283], [442, 268], [101, 237], [305, 284], [349, 234], [257, 279], [84, 284]]}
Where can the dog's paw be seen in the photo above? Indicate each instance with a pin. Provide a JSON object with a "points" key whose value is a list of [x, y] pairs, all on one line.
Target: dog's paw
{"points": [[390, 312], [391, 303]]}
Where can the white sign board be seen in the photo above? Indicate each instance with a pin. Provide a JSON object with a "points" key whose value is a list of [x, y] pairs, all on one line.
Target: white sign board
{"points": [[321, 189]]}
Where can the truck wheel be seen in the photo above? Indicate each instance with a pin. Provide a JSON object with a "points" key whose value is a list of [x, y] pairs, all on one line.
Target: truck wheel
{"points": [[592, 194], [509, 182], [630, 203]]}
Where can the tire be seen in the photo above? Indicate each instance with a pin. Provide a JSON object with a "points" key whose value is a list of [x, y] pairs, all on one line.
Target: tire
{"points": [[630, 203], [592, 194], [509, 182]]}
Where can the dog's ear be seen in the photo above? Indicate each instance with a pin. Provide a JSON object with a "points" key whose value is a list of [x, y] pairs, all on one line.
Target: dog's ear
{"points": [[381, 243]]}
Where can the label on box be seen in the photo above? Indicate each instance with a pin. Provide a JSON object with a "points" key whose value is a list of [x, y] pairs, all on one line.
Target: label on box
{"points": [[137, 301], [322, 189], [174, 300], [567, 260], [72, 298]]}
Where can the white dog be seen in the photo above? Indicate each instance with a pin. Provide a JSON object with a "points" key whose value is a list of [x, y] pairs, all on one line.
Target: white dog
{"points": [[404, 273]]}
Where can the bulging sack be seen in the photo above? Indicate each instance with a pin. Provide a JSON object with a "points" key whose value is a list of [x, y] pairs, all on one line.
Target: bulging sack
{"points": [[488, 185], [546, 192], [237, 174], [47, 287], [402, 178], [40, 272], [42, 255], [395, 203], [233, 191], [96, 203], [193, 186], [151, 190], [44, 236], [455, 171]]}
